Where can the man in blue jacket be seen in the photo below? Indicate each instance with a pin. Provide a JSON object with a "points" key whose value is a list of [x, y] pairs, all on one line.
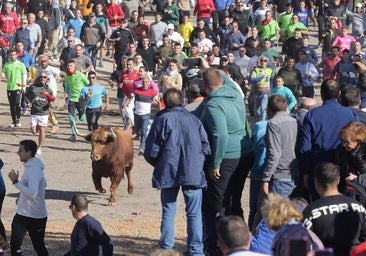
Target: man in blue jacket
{"points": [[319, 136], [177, 147]]}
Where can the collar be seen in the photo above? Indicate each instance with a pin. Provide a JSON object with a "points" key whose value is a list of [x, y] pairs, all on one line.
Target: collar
{"points": [[236, 250]]}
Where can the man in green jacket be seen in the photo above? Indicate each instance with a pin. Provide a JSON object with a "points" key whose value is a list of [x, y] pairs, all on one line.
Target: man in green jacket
{"points": [[224, 118]]}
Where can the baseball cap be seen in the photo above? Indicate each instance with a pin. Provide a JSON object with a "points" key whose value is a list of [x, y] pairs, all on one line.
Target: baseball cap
{"points": [[196, 85], [224, 57], [359, 5], [70, 38], [92, 14], [170, 26]]}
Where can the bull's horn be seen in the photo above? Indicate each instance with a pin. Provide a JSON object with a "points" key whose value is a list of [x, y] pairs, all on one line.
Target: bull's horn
{"points": [[113, 133]]}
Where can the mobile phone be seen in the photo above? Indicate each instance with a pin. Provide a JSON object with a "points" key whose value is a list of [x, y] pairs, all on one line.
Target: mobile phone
{"points": [[297, 247], [192, 62], [324, 252]]}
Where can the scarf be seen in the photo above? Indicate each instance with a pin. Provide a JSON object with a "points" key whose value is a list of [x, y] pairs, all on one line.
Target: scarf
{"points": [[171, 73], [70, 73], [266, 22]]}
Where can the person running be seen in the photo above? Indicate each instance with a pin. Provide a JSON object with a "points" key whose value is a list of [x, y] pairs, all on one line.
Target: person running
{"points": [[74, 82], [39, 97]]}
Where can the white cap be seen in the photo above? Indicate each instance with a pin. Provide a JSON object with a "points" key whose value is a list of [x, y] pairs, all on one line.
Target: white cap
{"points": [[170, 26], [359, 5]]}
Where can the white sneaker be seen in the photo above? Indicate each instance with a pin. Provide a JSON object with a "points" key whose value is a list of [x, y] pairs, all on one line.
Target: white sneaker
{"points": [[18, 124], [39, 151], [12, 125], [25, 111]]}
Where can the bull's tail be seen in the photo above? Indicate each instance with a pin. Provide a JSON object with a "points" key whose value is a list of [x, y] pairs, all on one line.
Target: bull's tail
{"points": [[73, 126]]}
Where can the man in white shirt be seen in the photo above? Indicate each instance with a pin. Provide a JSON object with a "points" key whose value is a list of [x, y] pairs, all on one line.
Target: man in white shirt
{"points": [[31, 215], [204, 44]]}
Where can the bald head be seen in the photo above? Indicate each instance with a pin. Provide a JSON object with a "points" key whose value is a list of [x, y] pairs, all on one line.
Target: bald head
{"points": [[308, 103]]}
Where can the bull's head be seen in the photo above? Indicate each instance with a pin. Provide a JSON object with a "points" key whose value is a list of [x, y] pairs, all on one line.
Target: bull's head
{"points": [[99, 139]]}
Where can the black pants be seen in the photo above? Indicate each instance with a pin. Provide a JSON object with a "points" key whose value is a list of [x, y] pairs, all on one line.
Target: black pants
{"points": [[218, 17], [92, 117], [14, 98], [36, 229], [223, 197], [2, 228], [72, 107]]}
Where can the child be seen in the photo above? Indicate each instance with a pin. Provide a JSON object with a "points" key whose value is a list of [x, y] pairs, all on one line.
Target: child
{"points": [[285, 92]]}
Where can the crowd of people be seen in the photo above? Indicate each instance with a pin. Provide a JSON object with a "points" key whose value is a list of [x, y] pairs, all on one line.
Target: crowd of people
{"points": [[201, 140]]}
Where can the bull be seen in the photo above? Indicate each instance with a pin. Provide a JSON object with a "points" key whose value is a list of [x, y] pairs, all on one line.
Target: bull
{"points": [[112, 156]]}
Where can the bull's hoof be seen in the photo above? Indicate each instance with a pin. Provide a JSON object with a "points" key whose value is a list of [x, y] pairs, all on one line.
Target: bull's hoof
{"points": [[130, 190], [102, 190], [111, 201]]}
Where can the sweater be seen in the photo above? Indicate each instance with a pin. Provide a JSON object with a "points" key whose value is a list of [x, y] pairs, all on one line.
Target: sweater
{"points": [[32, 186], [88, 238], [224, 120]]}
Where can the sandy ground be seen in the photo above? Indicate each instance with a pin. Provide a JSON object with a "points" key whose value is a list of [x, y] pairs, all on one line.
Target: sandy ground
{"points": [[133, 223]]}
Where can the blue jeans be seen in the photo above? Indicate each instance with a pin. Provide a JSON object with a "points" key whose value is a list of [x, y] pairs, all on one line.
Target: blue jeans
{"points": [[141, 124], [282, 187], [92, 51], [193, 201], [260, 106]]}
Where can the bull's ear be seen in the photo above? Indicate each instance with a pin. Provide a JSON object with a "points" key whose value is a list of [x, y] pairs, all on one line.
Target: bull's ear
{"points": [[88, 137], [110, 138]]}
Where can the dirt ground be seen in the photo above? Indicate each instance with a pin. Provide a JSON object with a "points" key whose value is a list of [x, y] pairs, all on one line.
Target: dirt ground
{"points": [[133, 223]]}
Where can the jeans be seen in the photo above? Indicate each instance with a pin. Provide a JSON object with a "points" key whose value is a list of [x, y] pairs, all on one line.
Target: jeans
{"points": [[92, 117], [92, 51], [193, 201], [283, 187], [260, 106], [141, 124], [36, 229], [14, 98]]}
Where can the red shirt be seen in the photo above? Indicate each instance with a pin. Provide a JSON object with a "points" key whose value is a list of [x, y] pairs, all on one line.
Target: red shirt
{"points": [[111, 11], [127, 79], [9, 22], [329, 63]]}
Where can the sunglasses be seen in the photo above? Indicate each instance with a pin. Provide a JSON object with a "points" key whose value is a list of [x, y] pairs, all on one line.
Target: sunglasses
{"points": [[91, 77], [44, 77], [263, 60]]}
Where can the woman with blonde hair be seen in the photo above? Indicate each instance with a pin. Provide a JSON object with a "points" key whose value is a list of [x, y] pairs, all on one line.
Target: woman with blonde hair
{"points": [[282, 222], [351, 153]]}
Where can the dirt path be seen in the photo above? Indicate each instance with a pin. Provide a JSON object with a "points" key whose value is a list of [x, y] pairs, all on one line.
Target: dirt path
{"points": [[133, 222]]}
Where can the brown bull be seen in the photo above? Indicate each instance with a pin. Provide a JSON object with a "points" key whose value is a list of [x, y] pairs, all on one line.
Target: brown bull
{"points": [[112, 156]]}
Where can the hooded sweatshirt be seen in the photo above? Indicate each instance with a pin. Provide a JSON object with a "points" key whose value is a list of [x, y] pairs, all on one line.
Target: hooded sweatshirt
{"points": [[224, 121], [32, 187]]}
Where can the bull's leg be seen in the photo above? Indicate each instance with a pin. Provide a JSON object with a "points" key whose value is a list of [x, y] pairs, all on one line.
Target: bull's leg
{"points": [[97, 179], [129, 178], [115, 180]]}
